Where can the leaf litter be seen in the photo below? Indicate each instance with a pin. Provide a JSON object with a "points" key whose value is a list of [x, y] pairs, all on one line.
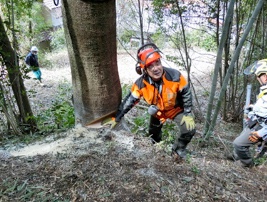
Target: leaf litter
{"points": [[99, 164]]}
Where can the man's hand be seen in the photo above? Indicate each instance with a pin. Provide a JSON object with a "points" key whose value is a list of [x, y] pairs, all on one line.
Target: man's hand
{"points": [[254, 137], [189, 122], [110, 121]]}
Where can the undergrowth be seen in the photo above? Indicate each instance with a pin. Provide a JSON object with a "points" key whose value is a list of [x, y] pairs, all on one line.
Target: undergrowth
{"points": [[61, 114], [56, 118], [13, 188]]}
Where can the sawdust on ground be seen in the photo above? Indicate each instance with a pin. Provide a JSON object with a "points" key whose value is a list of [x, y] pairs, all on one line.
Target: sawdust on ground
{"points": [[99, 164]]}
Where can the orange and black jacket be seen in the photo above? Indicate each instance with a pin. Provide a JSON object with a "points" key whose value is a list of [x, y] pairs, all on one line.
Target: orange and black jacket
{"points": [[171, 95]]}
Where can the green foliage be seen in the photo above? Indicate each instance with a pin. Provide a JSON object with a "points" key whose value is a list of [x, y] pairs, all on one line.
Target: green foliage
{"points": [[169, 131], [126, 36], [125, 89], [58, 41], [59, 117], [175, 60], [158, 5], [260, 161], [202, 39], [206, 93], [23, 191], [61, 114], [43, 61], [195, 170], [169, 128], [38, 21], [30, 23], [140, 122], [159, 38]]}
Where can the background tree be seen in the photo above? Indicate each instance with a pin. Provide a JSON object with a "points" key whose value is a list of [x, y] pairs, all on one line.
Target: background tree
{"points": [[134, 26], [93, 58], [203, 21], [255, 14], [185, 26], [10, 61], [174, 24], [218, 63]]}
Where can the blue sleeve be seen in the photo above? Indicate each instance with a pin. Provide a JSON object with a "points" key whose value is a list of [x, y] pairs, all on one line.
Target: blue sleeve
{"points": [[27, 59]]}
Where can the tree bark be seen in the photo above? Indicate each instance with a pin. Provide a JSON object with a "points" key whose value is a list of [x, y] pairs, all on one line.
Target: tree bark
{"points": [[90, 29], [8, 55], [218, 66]]}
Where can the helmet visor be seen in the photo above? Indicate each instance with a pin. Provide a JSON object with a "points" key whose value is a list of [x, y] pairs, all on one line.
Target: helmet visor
{"points": [[147, 54], [259, 67], [251, 69]]}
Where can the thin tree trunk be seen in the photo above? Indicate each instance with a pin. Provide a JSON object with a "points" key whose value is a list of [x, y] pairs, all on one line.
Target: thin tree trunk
{"points": [[218, 64], [232, 64], [141, 23], [8, 111], [8, 55], [226, 66], [187, 58]]}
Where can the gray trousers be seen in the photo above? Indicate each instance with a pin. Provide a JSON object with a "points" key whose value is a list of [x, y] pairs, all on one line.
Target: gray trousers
{"points": [[242, 145], [183, 136]]}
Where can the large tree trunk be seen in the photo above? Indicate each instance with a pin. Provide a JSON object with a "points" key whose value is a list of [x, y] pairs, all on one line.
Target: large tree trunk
{"points": [[9, 57], [90, 29]]}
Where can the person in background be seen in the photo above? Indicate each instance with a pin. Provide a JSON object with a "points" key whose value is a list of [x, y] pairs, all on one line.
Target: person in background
{"points": [[31, 61], [168, 95], [256, 119]]}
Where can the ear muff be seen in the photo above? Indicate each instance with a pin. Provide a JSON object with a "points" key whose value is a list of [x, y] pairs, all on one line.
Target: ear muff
{"points": [[149, 49], [138, 69]]}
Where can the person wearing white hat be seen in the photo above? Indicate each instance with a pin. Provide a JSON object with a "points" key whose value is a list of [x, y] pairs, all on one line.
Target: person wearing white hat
{"points": [[32, 62]]}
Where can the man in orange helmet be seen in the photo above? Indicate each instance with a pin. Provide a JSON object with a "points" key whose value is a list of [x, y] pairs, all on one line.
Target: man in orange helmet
{"points": [[168, 94]]}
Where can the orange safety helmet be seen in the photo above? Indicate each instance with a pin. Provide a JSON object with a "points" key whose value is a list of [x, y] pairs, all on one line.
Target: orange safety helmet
{"points": [[147, 54]]}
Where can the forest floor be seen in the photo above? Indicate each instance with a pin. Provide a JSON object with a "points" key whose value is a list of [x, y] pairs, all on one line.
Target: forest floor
{"points": [[99, 164]]}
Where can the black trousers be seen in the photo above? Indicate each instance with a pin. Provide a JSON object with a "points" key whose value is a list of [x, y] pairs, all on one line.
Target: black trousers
{"points": [[183, 135]]}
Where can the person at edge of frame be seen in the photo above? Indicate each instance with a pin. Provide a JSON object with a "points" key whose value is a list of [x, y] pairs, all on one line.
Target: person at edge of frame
{"points": [[255, 130]]}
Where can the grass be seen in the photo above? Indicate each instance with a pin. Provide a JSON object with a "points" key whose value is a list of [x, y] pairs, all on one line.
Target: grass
{"points": [[22, 191]]}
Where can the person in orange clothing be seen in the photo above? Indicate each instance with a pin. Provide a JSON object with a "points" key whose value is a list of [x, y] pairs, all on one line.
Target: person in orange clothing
{"points": [[168, 94]]}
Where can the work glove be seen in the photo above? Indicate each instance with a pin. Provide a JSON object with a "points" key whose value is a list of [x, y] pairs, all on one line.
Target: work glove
{"points": [[110, 121], [189, 122], [254, 137], [161, 118], [261, 134]]}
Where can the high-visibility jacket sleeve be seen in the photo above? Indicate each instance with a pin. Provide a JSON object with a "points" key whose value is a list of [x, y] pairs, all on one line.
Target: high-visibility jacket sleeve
{"points": [[184, 98], [32, 60], [187, 98], [127, 104]]}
